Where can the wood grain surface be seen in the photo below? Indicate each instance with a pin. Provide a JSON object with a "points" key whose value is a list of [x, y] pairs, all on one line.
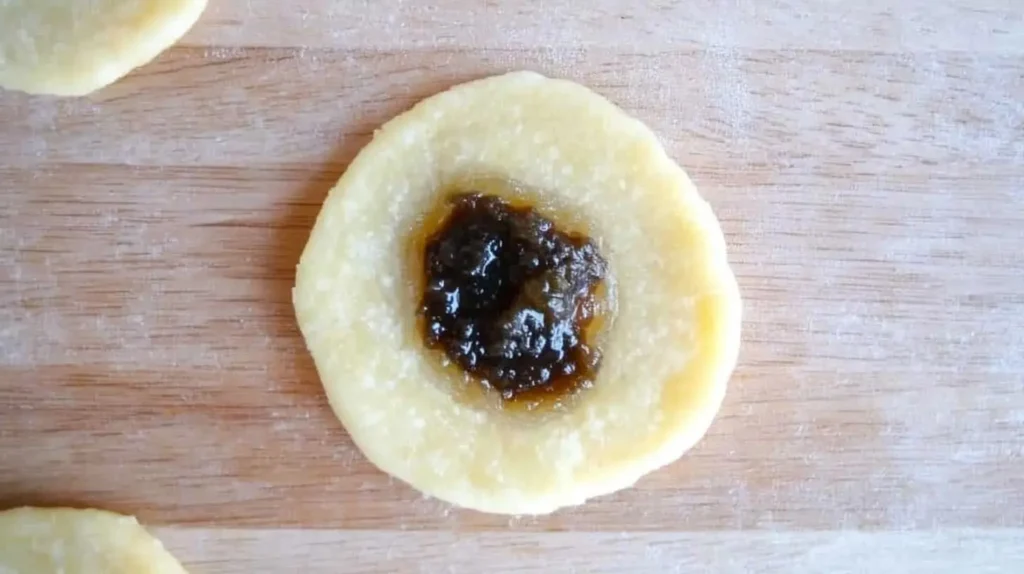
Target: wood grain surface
{"points": [[866, 160]]}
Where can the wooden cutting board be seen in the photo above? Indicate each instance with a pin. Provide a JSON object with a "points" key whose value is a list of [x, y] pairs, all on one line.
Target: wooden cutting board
{"points": [[866, 160]]}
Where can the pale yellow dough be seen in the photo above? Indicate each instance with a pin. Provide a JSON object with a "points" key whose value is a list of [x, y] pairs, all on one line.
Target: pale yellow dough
{"points": [[73, 541], [74, 47], [667, 355]]}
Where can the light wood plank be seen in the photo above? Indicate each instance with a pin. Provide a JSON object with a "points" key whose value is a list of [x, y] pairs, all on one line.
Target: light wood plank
{"points": [[731, 552], [907, 26], [847, 113]]}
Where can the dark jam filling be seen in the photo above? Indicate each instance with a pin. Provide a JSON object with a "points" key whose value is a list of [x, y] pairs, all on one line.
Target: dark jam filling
{"points": [[508, 297]]}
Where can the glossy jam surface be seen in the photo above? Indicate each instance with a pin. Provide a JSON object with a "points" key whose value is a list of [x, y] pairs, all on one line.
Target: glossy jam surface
{"points": [[508, 297]]}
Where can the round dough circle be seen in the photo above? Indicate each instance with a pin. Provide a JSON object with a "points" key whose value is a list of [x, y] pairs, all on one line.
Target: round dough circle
{"points": [[73, 541], [72, 48], [668, 353]]}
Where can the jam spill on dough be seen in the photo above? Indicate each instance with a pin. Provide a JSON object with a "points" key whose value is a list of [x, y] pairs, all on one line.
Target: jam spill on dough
{"points": [[508, 297]]}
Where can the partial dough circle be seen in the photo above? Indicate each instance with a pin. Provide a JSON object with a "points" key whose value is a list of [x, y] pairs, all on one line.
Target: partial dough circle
{"points": [[667, 356], [73, 541], [72, 47]]}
